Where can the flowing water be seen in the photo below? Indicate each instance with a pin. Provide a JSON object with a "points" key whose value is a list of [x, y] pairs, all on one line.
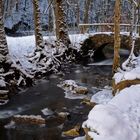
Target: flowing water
{"points": [[46, 94]]}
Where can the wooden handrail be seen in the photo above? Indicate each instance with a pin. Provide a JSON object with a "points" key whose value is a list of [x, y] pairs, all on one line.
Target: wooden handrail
{"points": [[104, 24]]}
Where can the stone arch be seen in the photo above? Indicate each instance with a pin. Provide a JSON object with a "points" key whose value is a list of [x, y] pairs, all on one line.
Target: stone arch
{"points": [[98, 42]]}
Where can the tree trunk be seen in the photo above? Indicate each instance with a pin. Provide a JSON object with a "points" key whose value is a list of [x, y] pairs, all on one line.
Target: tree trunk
{"points": [[133, 32], [77, 13], [3, 42], [61, 28], [37, 24], [117, 39], [86, 14], [128, 64]]}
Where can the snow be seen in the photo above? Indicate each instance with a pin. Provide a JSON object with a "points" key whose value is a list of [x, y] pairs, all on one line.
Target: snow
{"points": [[79, 138], [131, 74], [10, 125], [2, 83], [29, 116], [3, 102], [118, 119], [102, 97], [47, 112], [70, 95], [21, 47], [70, 86]]}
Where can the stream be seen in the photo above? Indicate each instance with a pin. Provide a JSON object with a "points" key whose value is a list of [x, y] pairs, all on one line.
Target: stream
{"points": [[46, 94]]}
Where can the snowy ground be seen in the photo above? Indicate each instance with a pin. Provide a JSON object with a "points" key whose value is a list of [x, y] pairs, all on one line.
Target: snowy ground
{"points": [[119, 119], [21, 47]]}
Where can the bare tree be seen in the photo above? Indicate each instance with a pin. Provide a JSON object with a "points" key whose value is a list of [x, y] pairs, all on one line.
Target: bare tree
{"points": [[3, 42], [86, 14], [37, 23], [86, 11], [116, 62], [128, 64], [61, 28]]}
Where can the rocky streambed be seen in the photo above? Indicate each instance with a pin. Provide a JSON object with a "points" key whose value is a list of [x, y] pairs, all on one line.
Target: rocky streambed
{"points": [[60, 110]]}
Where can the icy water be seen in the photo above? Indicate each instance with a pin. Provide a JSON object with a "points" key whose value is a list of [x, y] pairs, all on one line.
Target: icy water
{"points": [[46, 94]]}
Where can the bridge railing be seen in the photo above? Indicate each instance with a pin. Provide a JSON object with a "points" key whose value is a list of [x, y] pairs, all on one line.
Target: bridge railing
{"points": [[105, 27]]}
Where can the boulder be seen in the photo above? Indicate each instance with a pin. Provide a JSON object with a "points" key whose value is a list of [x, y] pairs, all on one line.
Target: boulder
{"points": [[81, 90]]}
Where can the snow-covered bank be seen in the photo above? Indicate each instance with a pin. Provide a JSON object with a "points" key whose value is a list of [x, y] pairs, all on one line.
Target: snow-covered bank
{"points": [[119, 119], [132, 74], [21, 47]]}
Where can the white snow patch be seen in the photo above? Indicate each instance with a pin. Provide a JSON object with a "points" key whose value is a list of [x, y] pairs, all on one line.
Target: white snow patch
{"points": [[80, 138], [102, 97], [77, 71], [47, 112], [10, 125], [2, 83], [117, 120], [69, 86], [129, 74], [3, 102], [29, 116], [70, 95]]}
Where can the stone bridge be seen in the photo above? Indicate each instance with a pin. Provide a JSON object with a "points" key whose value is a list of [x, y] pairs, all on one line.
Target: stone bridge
{"points": [[98, 42]]}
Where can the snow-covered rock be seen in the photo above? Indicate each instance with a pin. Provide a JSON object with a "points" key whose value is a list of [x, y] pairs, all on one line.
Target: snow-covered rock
{"points": [[72, 86], [102, 97], [73, 90], [119, 119], [29, 119], [47, 112]]}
